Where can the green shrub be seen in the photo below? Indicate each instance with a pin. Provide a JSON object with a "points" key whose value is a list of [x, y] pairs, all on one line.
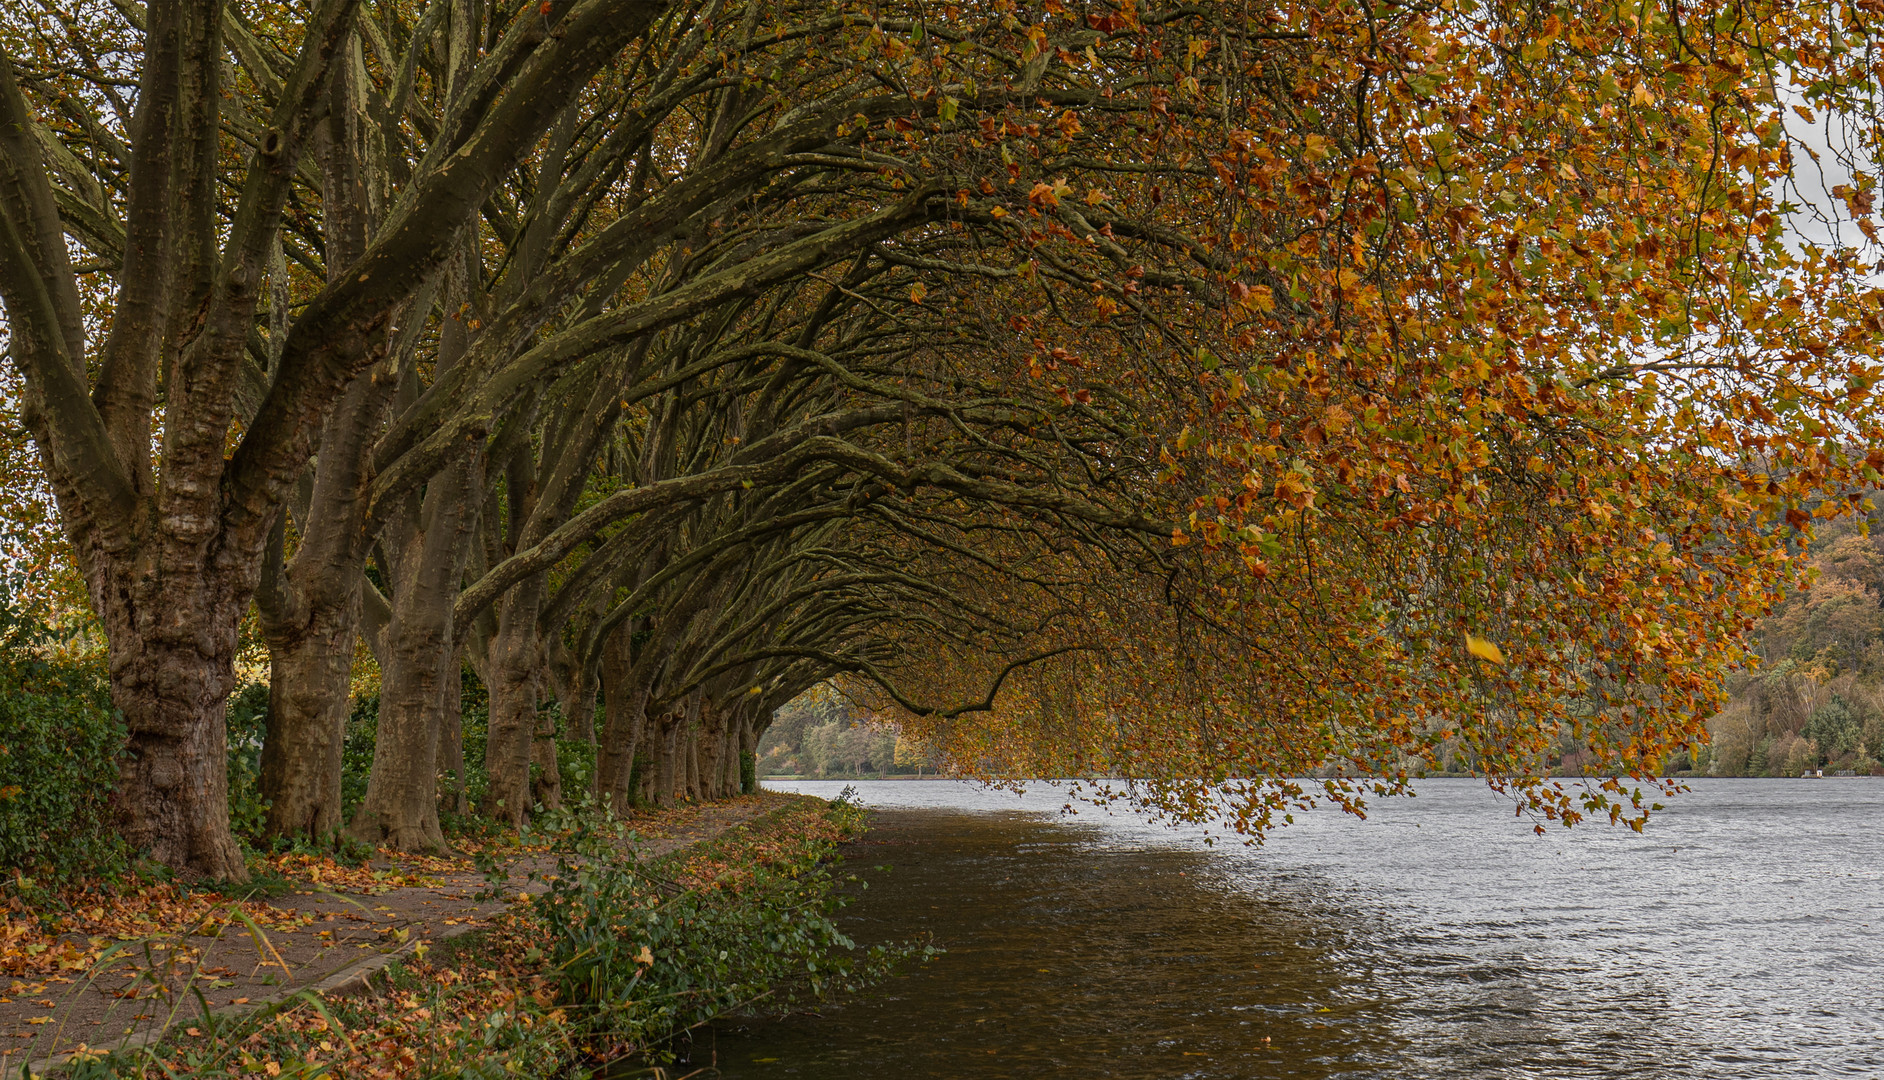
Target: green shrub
{"points": [[575, 765], [639, 958], [247, 723], [60, 743], [356, 753], [475, 710]]}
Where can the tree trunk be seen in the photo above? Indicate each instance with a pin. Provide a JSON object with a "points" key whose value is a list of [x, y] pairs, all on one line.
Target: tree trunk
{"points": [[513, 722], [643, 769], [575, 692], [451, 738], [401, 804], [691, 759], [749, 732], [665, 758], [311, 609], [712, 743], [625, 705], [729, 756], [310, 615], [310, 676], [546, 778], [172, 801], [615, 756]]}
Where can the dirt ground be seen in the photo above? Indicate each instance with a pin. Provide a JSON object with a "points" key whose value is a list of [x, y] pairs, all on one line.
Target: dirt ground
{"points": [[311, 938]]}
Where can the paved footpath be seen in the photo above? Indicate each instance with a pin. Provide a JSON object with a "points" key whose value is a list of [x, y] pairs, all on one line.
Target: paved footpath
{"points": [[327, 942]]}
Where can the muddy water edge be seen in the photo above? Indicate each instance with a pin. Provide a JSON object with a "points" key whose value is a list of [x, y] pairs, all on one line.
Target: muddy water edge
{"points": [[1066, 957]]}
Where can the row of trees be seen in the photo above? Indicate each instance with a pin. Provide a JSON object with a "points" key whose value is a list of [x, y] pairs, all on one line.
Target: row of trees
{"points": [[1182, 392]]}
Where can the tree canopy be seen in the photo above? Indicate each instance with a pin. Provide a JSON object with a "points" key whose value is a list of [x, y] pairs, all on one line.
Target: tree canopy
{"points": [[1202, 394]]}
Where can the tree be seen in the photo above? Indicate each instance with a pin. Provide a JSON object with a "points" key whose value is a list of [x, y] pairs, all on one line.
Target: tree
{"points": [[1835, 728], [910, 754], [1199, 394], [1518, 352], [169, 526]]}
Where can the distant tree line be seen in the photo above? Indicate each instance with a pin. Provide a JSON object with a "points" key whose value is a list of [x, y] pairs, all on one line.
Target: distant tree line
{"points": [[821, 734]]}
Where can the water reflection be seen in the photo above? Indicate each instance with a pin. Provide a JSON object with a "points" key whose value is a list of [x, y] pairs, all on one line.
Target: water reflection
{"points": [[1068, 956], [1741, 936]]}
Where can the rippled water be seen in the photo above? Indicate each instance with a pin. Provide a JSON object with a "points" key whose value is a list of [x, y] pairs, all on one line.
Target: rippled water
{"points": [[1741, 936]]}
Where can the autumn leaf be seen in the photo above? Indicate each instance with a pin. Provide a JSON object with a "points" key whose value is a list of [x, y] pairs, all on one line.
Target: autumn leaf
{"points": [[1483, 649], [1295, 489]]}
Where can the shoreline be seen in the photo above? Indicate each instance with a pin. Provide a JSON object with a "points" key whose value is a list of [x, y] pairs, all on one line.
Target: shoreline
{"points": [[444, 939], [899, 778]]}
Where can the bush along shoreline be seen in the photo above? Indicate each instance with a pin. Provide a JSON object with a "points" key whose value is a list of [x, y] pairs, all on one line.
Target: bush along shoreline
{"points": [[602, 972]]}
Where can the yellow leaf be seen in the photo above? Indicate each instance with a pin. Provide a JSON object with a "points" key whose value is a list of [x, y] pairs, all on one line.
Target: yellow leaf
{"points": [[39, 1019], [1483, 649]]}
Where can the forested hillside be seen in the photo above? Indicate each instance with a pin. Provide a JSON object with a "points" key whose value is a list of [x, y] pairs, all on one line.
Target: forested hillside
{"points": [[1816, 700], [822, 734]]}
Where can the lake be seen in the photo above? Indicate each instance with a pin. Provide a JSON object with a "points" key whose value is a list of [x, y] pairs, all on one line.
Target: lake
{"points": [[1742, 935]]}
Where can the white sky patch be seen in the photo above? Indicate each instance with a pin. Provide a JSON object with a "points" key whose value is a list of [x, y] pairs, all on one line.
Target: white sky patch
{"points": [[1827, 151]]}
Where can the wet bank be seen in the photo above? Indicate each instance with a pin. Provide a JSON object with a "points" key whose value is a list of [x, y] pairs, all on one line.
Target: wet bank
{"points": [[1068, 959]]}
